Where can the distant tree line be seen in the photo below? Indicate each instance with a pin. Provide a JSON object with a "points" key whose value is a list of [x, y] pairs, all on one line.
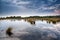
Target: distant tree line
{"points": [[17, 17], [14, 17], [44, 16], [11, 17]]}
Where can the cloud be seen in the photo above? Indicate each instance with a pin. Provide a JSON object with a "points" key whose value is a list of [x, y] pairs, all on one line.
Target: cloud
{"points": [[26, 6], [16, 1], [22, 2], [52, 0], [57, 11], [13, 3]]}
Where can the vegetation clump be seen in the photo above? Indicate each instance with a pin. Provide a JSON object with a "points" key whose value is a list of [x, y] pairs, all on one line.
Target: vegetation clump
{"points": [[9, 31]]}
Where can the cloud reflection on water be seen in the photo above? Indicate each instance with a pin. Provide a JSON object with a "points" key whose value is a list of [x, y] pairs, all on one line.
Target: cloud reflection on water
{"points": [[41, 30], [40, 34]]}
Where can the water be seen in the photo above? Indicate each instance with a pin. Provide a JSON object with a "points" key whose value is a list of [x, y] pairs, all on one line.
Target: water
{"points": [[30, 30]]}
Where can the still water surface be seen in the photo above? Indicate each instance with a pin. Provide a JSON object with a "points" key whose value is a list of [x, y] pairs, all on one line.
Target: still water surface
{"points": [[30, 30]]}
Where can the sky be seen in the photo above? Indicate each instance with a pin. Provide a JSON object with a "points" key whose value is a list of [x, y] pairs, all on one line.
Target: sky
{"points": [[29, 7]]}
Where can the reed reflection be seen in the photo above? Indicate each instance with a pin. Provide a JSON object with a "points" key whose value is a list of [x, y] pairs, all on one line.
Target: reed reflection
{"points": [[30, 21]]}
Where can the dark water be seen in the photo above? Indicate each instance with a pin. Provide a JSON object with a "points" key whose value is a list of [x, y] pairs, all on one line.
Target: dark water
{"points": [[30, 30]]}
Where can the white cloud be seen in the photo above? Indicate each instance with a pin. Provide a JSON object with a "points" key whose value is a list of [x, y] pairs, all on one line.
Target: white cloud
{"points": [[52, 0], [57, 11], [23, 2], [47, 8], [16, 1], [6, 0], [20, 2]]}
